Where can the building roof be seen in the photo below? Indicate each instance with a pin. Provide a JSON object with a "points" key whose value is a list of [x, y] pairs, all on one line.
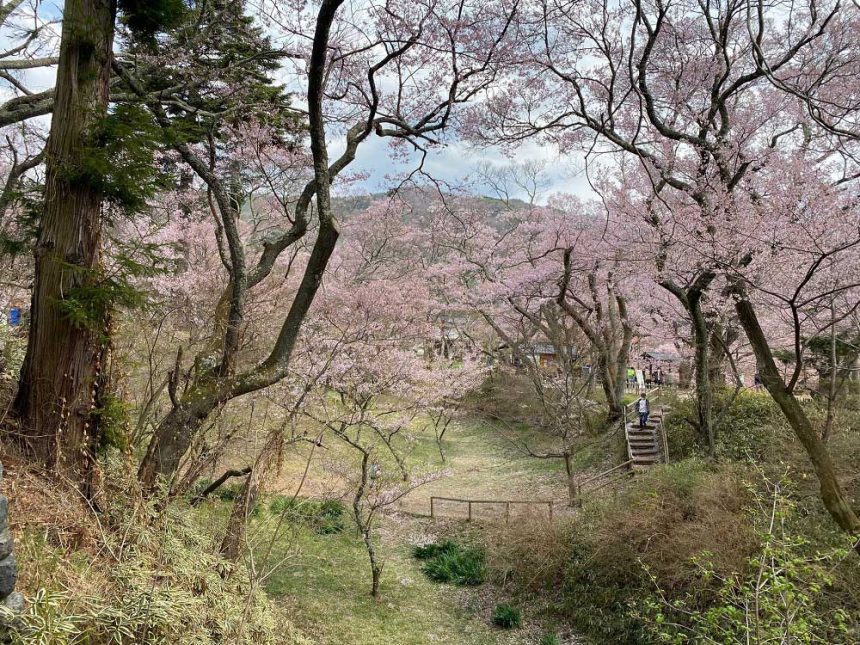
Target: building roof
{"points": [[662, 356]]}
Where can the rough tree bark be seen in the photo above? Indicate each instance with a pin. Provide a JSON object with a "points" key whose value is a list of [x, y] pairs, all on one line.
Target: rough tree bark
{"points": [[174, 434], [831, 492], [691, 299], [57, 392]]}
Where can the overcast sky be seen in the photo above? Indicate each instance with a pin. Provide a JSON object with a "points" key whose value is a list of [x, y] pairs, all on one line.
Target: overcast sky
{"points": [[455, 164]]}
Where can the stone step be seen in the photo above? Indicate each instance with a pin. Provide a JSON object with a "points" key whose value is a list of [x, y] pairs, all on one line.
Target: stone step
{"points": [[645, 454]]}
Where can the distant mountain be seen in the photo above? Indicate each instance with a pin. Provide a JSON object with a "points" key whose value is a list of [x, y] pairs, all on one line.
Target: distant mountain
{"points": [[419, 199]]}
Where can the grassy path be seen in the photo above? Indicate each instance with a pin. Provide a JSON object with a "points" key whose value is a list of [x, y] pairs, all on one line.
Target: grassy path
{"points": [[327, 590], [325, 579]]}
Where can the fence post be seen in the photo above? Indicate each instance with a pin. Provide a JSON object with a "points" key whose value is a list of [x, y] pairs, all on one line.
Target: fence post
{"points": [[470, 512], [664, 437], [432, 509], [507, 512], [549, 505]]}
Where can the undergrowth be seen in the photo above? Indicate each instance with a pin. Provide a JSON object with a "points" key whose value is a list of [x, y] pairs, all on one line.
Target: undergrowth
{"points": [[681, 554], [324, 517], [136, 576]]}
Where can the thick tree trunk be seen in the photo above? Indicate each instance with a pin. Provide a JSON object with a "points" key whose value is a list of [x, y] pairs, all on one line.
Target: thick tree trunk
{"points": [[691, 299], [704, 395], [174, 435], [60, 375], [716, 362], [831, 492], [611, 391]]}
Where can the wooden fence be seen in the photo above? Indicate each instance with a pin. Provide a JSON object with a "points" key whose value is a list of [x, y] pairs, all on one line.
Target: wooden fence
{"points": [[470, 503]]}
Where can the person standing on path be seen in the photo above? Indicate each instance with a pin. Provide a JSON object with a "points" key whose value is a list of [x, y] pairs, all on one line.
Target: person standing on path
{"points": [[644, 409]]}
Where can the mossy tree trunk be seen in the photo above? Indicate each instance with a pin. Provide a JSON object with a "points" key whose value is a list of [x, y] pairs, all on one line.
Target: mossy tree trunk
{"points": [[690, 298], [61, 371], [831, 492]]}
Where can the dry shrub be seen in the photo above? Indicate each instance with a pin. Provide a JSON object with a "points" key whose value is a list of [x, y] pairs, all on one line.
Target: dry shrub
{"points": [[598, 562], [41, 505], [128, 574], [671, 516], [529, 553]]}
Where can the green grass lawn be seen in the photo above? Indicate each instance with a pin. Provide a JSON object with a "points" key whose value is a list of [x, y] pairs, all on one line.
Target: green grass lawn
{"points": [[325, 579], [326, 586]]}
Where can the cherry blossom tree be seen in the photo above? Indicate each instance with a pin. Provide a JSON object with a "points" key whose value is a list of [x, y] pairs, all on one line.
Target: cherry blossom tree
{"points": [[342, 69], [683, 99], [379, 380], [549, 266]]}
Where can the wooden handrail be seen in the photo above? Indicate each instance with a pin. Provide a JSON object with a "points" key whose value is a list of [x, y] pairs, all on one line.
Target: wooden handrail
{"points": [[608, 481], [663, 435], [606, 472], [506, 502], [493, 501]]}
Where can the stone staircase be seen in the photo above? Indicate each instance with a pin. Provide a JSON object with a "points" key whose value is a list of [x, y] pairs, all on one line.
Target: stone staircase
{"points": [[645, 446]]}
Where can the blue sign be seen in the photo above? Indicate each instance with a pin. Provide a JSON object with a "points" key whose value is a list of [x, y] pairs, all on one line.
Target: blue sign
{"points": [[14, 316]]}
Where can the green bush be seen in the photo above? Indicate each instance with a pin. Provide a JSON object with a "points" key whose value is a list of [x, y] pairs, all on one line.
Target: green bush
{"points": [[292, 507], [746, 429], [449, 562], [329, 517], [507, 617], [550, 639], [428, 551], [323, 517]]}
